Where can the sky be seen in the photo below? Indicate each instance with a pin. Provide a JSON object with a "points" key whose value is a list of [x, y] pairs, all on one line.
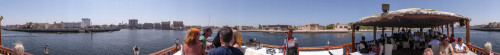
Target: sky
{"points": [[230, 12]]}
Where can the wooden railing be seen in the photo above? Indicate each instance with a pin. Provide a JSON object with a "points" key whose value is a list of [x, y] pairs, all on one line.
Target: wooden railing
{"points": [[7, 51], [478, 50], [169, 51]]}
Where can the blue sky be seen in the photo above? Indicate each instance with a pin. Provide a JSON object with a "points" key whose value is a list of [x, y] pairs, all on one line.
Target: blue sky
{"points": [[230, 12]]}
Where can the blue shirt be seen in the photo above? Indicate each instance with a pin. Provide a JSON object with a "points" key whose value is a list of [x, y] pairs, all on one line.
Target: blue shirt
{"points": [[224, 50]]}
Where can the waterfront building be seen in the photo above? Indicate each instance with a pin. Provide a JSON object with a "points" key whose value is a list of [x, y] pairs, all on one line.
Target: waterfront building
{"points": [[157, 25], [311, 27], [494, 24], [147, 25], [85, 22], [139, 26], [339, 26], [165, 25], [277, 27], [132, 23], [178, 25], [122, 26], [32, 25], [71, 24], [246, 28], [113, 26]]}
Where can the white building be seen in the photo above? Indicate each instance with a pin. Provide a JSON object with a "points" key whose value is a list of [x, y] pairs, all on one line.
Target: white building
{"points": [[85, 22], [311, 27], [342, 27]]}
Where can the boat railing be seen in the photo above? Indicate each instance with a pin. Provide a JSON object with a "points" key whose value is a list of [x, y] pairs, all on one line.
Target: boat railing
{"points": [[348, 48], [169, 51], [8, 51], [478, 50]]}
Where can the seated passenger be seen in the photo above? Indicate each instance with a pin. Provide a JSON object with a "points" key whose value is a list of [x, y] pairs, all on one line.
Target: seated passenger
{"points": [[461, 47]]}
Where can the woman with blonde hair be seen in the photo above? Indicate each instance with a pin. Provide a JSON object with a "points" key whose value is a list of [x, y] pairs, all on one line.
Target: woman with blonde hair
{"points": [[192, 46], [428, 51]]}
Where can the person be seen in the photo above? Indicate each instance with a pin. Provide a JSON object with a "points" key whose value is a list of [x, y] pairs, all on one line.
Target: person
{"points": [[364, 49], [428, 51], [487, 47], [461, 47], [238, 38], [226, 39], [191, 44], [291, 44], [207, 32], [445, 47], [435, 41], [216, 43], [452, 39]]}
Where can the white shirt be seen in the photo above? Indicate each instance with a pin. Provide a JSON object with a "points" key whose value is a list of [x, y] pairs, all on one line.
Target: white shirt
{"points": [[460, 48]]}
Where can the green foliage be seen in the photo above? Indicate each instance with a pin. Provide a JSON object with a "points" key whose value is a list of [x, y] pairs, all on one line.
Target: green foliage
{"points": [[260, 26], [330, 26]]}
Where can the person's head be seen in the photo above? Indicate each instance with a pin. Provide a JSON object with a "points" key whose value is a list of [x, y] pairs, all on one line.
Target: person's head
{"points": [[487, 46], [207, 32], [289, 32], [428, 51], [191, 36], [453, 36], [363, 38], [445, 40], [460, 40], [226, 35]]}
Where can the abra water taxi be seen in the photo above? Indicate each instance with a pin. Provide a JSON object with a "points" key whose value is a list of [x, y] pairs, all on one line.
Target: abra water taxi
{"points": [[402, 19]]}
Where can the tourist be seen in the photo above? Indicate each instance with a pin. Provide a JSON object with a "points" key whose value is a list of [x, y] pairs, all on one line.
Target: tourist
{"points": [[207, 32], [435, 41], [461, 47], [487, 48], [428, 51], [445, 47], [364, 49], [291, 44], [226, 39], [452, 39], [237, 36], [216, 43], [191, 44]]}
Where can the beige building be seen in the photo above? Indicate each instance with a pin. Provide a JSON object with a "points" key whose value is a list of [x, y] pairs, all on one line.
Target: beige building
{"points": [[148, 25], [178, 25], [339, 26], [246, 28], [311, 27], [277, 27], [33, 25], [494, 24]]}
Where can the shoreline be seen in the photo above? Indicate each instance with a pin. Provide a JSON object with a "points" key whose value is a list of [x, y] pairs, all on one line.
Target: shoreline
{"points": [[312, 31]]}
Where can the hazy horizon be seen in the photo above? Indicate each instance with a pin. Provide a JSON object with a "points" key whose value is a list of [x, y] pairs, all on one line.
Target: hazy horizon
{"points": [[229, 12]]}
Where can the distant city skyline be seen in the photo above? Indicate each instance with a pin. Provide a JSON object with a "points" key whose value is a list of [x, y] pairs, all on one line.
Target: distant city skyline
{"points": [[229, 12]]}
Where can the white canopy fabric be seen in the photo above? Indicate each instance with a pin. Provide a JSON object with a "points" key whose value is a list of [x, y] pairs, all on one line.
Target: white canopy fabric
{"points": [[430, 17]]}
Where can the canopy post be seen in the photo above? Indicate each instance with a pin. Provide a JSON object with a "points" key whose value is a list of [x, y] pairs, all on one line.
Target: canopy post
{"points": [[374, 32], [392, 31], [383, 31], [352, 39], [467, 32], [452, 29], [447, 30]]}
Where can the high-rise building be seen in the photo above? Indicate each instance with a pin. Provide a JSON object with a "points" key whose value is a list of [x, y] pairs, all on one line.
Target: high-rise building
{"points": [[147, 25], [132, 23], [165, 25], [178, 25], [85, 22]]}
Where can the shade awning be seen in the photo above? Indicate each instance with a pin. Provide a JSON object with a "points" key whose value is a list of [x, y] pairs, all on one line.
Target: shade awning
{"points": [[412, 17]]}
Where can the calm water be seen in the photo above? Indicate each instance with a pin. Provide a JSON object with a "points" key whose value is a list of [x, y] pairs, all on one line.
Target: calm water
{"points": [[121, 42]]}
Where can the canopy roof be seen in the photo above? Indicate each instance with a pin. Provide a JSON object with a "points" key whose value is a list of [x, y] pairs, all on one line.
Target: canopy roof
{"points": [[411, 17]]}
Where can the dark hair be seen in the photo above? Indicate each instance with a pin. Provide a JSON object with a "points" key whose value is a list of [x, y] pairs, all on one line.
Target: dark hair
{"points": [[226, 34], [207, 29], [460, 39], [362, 37], [291, 30]]}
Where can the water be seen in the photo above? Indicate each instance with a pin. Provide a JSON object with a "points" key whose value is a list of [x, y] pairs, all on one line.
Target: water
{"points": [[121, 42]]}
